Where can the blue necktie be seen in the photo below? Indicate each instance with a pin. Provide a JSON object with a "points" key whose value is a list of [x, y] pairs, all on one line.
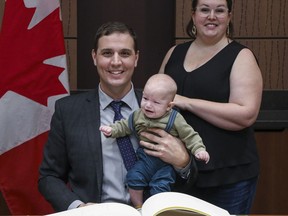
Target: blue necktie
{"points": [[124, 143]]}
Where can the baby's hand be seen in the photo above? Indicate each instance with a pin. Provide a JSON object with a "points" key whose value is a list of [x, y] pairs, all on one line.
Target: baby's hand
{"points": [[203, 156], [106, 130]]}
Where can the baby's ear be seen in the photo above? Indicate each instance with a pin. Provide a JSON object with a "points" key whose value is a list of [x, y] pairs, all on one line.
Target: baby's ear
{"points": [[170, 105]]}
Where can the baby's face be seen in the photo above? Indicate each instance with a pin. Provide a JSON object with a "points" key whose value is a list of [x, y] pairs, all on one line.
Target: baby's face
{"points": [[154, 103]]}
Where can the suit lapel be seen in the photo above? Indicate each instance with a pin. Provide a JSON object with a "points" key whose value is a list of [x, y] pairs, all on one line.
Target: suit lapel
{"points": [[94, 137]]}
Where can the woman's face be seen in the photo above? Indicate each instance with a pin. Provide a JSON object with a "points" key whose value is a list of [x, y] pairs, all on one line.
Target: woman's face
{"points": [[211, 18]]}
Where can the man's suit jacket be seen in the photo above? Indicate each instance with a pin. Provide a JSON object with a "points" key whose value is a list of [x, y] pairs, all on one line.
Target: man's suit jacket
{"points": [[76, 152]]}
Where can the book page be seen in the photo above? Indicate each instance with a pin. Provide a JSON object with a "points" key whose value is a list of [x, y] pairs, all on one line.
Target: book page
{"points": [[162, 202], [101, 209]]}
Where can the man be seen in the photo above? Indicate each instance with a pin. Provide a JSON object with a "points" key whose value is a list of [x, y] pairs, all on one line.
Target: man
{"points": [[81, 166]]}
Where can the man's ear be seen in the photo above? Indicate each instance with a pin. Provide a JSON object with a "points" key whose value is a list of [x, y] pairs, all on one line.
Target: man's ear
{"points": [[93, 54]]}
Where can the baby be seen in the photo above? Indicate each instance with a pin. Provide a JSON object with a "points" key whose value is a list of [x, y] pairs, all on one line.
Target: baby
{"points": [[155, 112]]}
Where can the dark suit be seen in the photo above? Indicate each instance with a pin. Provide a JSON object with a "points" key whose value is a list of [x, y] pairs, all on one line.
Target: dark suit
{"points": [[76, 153]]}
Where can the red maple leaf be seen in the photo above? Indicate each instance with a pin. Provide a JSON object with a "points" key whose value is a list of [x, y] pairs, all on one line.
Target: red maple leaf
{"points": [[23, 51]]}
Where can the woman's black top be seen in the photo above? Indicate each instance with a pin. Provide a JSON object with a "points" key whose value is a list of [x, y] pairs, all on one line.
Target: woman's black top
{"points": [[233, 153]]}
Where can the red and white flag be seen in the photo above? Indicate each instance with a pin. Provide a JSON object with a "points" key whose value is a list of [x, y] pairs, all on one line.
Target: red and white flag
{"points": [[33, 75]]}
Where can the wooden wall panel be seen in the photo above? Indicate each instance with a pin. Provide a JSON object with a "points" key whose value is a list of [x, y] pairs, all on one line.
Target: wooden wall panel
{"points": [[69, 17], [271, 197], [182, 17], [71, 55], [260, 18]]}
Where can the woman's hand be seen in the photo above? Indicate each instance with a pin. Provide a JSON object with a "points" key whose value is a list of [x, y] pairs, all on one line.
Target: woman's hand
{"points": [[168, 148], [181, 102]]}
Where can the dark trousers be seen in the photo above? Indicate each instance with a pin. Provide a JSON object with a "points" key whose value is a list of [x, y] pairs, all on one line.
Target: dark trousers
{"points": [[236, 198]]}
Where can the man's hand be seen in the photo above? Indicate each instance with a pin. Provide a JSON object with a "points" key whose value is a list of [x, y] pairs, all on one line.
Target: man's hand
{"points": [[168, 148]]}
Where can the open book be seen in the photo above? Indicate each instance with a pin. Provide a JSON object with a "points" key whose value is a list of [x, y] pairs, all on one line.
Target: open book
{"points": [[162, 204]]}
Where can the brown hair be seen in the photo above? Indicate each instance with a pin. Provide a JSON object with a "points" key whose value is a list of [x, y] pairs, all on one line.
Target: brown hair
{"points": [[112, 27]]}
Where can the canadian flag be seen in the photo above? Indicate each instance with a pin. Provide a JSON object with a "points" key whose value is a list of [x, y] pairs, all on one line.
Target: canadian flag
{"points": [[33, 75]]}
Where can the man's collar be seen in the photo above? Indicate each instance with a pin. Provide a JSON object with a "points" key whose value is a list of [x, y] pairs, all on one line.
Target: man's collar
{"points": [[105, 100]]}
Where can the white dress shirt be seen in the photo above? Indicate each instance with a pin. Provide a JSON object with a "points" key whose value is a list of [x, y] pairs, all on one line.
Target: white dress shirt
{"points": [[114, 188]]}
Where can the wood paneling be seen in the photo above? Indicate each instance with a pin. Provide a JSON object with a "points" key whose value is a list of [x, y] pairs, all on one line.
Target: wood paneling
{"points": [[182, 17], [71, 55], [260, 18], [69, 16], [271, 197]]}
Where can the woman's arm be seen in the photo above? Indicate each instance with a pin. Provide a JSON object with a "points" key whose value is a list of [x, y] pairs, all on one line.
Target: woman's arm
{"points": [[165, 60]]}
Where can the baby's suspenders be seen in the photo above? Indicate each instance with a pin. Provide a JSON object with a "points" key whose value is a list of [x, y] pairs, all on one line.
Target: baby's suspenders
{"points": [[168, 126], [171, 120]]}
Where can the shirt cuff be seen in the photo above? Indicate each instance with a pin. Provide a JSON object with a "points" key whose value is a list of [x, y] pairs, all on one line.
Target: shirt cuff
{"points": [[184, 172], [75, 204]]}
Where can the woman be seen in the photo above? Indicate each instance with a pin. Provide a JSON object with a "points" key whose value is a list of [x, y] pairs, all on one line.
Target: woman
{"points": [[219, 94]]}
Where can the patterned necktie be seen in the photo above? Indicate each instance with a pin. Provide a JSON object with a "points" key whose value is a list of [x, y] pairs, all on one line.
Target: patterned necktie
{"points": [[124, 143]]}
